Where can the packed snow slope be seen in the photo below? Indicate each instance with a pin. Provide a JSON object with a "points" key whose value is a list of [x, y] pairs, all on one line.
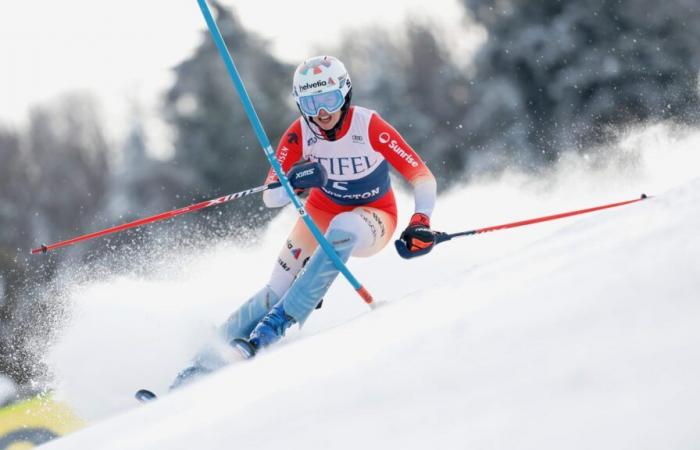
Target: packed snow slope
{"points": [[579, 333]]}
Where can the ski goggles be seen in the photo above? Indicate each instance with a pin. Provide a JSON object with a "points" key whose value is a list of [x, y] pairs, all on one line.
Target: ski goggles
{"points": [[331, 102]]}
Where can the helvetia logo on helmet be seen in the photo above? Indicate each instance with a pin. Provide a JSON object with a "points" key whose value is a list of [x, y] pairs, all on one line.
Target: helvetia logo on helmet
{"points": [[315, 84]]}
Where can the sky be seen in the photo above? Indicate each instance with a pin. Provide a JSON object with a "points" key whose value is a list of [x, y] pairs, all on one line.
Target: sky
{"points": [[122, 51]]}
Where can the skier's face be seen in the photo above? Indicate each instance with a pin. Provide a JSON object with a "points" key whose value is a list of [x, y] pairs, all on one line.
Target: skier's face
{"points": [[326, 120]]}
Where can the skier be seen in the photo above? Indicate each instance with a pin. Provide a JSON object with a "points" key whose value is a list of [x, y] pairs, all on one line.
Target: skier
{"points": [[341, 154]]}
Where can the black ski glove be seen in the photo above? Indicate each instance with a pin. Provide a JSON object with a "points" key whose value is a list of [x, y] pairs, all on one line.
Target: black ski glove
{"points": [[307, 175], [418, 236]]}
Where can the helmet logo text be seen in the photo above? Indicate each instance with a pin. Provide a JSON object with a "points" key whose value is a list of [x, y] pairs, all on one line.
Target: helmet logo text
{"points": [[315, 84]]}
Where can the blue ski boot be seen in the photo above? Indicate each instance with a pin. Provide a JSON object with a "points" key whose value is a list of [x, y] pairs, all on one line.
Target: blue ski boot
{"points": [[302, 298], [271, 328]]}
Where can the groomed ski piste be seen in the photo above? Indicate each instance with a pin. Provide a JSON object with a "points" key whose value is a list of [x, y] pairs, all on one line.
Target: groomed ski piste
{"points": [[579, 333]]}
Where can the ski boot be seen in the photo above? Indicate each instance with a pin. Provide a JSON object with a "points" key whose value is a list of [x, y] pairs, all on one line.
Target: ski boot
{"points": [[271, 329], [305, 295]]}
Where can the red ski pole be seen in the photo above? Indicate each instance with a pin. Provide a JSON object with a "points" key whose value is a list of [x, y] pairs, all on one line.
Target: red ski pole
{"points": [[442, 237], [166, 215]]}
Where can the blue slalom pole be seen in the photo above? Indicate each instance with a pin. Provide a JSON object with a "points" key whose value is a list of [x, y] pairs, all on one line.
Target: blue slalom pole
{"points": [[270, 153]]}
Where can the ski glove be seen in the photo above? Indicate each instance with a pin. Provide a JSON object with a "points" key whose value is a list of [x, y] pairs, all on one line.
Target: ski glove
{"points": [[418, 235], [307, 175]]}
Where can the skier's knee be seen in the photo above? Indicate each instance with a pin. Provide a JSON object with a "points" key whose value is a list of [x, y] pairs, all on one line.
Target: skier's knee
{"points": [[341, 240], [356, 225], [347, 221]]}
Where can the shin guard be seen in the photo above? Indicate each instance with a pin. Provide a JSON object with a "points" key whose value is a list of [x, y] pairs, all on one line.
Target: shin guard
{"points": [[316, 277], [241, 323]]}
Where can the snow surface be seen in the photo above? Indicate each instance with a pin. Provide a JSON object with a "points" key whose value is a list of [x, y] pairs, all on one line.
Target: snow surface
{"points": [[579, 333]]}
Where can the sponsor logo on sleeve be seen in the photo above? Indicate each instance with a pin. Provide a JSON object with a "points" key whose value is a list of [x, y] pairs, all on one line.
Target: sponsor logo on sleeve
{"points": [[385, 138], [284, 151]]}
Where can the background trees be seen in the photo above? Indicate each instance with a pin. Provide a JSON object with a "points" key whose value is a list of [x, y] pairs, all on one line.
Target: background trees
{"points": [[557, 75], [553, 76], [213, 136]]}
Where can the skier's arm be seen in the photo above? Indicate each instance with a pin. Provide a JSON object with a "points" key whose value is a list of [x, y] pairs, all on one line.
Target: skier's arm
{"points": [[387, 141], [289, 151]]}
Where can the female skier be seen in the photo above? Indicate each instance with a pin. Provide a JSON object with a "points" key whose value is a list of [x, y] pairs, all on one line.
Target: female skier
{"points": [[342, 154]]}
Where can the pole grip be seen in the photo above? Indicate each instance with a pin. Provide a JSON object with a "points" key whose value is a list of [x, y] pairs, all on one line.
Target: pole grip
{"points": [[405, 253]]}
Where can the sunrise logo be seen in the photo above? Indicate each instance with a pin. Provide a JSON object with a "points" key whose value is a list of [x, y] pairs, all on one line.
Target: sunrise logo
{"points": [[315, 65]]}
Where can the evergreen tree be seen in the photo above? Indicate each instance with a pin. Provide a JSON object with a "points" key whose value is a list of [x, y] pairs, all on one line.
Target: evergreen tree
{"points": [[53, 181], [213, 134], [68, 161], [558, 74], [142, 185], [412, 81]]}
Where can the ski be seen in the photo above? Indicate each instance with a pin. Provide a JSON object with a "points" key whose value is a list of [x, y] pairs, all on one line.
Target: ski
{"points": [[245, 348], [242, 346], [145, 396]]}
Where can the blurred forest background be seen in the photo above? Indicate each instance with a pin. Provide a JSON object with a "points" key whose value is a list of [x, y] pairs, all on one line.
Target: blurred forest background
{"points": [[552, 76]]}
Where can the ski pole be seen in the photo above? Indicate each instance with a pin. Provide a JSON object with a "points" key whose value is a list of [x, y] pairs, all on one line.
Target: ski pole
{"points": [[270, 153], [440, 236], [162, 216]]}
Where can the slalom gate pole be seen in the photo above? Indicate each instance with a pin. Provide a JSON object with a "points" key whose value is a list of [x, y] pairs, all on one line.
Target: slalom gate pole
{"points": [[442, 237], [162, 216], [270, 153]]}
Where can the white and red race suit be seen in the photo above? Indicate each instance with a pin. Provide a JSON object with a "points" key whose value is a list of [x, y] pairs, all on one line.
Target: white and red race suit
{"points": [[357, 163]]}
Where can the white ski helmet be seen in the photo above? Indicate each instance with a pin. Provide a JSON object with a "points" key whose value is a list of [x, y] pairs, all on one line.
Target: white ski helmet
{"points": [[321, 82]]}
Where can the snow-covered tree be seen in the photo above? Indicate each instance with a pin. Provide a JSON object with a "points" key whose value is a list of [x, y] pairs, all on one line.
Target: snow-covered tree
{"points": [[558, 74], [411, 80], [213, 134], [53, 182]]}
